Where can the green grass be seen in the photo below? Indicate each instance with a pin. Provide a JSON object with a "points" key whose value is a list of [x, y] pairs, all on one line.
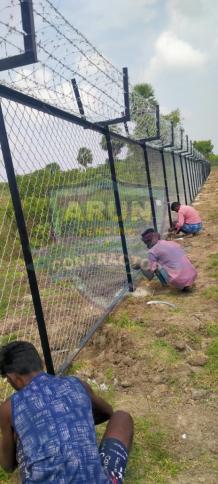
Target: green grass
{"points": [[78, 365], [163, 351], [13, 284], [150, 461], [211, 293], [208, 376], [213, 265], [213, 261], [123, 321], [7, 338], [211, 330], [213, 351], [109, 373], [4, 476], [192, 336]]}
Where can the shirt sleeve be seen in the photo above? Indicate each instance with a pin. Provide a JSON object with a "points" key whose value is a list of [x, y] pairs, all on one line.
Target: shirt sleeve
{"points": [[181, 220], [152, 262]]}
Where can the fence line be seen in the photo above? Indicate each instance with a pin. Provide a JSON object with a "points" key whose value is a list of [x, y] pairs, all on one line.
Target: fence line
{"points": [[75, 195], [81, 226]]}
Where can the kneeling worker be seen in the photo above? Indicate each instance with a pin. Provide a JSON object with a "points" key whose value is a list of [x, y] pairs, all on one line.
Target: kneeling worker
{"points": [[48, 425], [168, 261], [189, 221]]}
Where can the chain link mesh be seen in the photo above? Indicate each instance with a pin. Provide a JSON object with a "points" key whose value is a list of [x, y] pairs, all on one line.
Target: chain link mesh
{"points": [[64, 181]]}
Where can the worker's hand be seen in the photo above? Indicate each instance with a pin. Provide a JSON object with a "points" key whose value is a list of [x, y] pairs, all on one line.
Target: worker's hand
{"points": [[148, 274]]}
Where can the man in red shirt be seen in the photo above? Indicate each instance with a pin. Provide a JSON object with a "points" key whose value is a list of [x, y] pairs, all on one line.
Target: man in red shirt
{"points": [[189, 221]]}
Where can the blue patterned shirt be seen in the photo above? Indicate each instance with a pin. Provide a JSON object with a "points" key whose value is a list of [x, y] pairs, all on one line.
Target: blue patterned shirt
{"points": [[56, 440]]}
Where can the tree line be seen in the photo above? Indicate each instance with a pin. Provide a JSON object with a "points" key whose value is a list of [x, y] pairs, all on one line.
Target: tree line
{"points": [[143, 127]]}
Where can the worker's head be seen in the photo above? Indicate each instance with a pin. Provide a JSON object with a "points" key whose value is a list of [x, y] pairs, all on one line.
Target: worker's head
{"points": [[19, 361], [175, 206], [150, 237]]}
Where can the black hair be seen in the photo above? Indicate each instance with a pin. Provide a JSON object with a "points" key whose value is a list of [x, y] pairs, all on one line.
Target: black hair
{"points": [[19, 357], [147, 231], [174, 205]]}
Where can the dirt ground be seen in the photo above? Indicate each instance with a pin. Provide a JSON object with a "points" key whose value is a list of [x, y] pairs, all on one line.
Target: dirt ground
{"points": [[160, 363]]}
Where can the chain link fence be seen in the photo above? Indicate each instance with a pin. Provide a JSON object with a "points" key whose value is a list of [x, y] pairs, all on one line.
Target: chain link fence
{"points": [[76, 196]]}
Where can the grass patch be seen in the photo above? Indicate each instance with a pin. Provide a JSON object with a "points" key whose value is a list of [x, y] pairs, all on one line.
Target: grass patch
{"points": [[174, 329], [208, 376], [77, 366], [7, 338], [164, 352], [150, 460], [213, 265], [193, 337], [211, 330], [13, 283], [213, 350], [213, 261], [109, 374], [4, 476], [123, 321], [211, 293]]}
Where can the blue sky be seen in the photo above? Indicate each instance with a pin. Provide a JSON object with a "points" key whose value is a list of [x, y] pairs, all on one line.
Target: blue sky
{"points": [[173, 44]]}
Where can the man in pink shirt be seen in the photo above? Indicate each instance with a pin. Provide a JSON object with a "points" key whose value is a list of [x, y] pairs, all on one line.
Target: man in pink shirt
{"points": [[168, 261], [189, 221]]}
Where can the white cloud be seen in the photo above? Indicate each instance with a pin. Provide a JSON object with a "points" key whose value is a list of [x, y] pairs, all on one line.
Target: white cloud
{"points": [[116, 15], [173, 52]]}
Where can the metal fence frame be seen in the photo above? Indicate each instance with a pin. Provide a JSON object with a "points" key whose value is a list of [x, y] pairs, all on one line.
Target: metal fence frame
{"points": [[197, 170], [29, 54]]}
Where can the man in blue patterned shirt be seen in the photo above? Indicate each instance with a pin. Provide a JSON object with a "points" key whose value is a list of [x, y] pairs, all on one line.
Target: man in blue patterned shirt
{"points": [[48, 425]]}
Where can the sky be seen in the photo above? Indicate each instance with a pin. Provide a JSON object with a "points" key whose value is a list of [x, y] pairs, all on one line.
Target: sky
{"points": [[171, 44]]}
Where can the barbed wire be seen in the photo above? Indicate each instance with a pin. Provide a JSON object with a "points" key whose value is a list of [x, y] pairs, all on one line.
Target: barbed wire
{"points": [[63, 53]]}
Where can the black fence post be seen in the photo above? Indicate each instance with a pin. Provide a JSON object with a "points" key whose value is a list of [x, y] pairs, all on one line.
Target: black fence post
{"points": [[194, 169], [188, 178], [183, 179], [189, 170], [174, 163], [182, 167], [205, 176], [118, 209], [197, 171], [150, 191], [196, 175], [200, 172], [191, 167], [191, 177], [166, 185], [15, 196]]}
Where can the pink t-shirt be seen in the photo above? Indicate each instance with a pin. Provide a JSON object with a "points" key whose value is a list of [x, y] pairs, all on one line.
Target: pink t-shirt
{"points": [[187, 215], [171, 256]]}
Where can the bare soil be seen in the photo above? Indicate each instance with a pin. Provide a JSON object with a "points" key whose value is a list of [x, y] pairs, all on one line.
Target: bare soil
{"points": [[160, 363]]}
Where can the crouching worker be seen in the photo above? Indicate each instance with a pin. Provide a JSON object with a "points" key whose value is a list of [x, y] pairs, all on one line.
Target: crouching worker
{"points": [[48, 425], [168, 261], [189, 221]]}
